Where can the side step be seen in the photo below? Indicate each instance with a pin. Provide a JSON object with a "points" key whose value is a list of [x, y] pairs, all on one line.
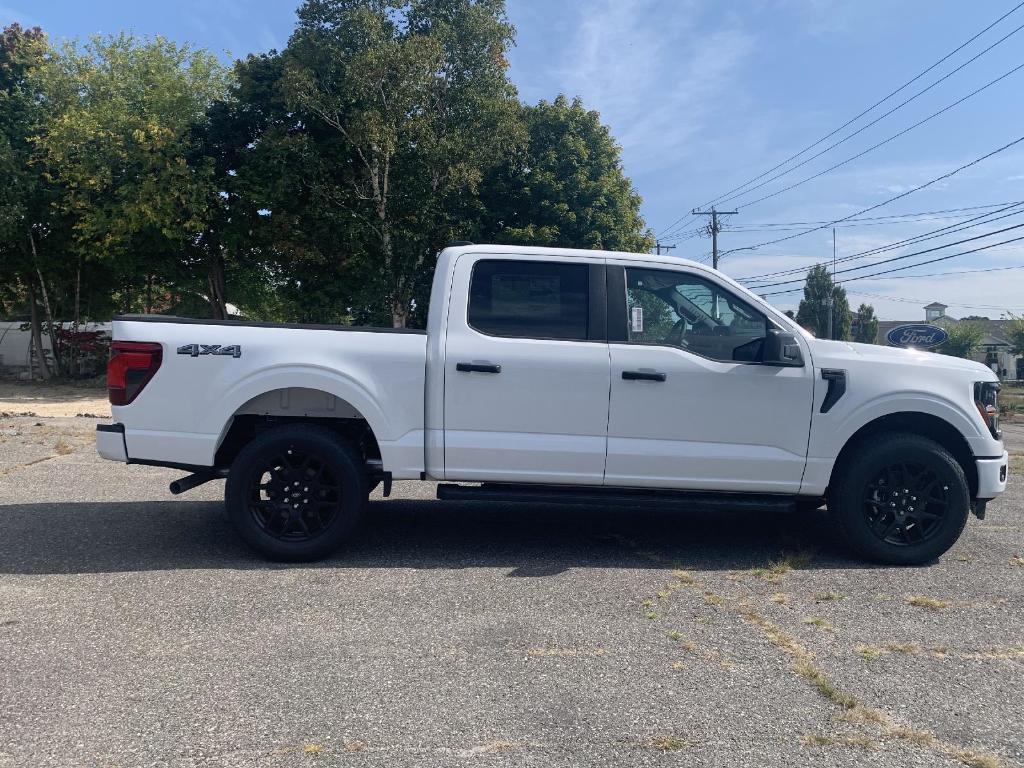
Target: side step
{"points": [[568, 494]]}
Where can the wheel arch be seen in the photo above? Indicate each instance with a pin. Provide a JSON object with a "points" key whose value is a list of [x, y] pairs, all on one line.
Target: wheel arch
{"points": [[917, 423], [296, 404]]}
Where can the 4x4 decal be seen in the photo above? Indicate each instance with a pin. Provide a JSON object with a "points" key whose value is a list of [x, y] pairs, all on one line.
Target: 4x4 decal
{"points": [[195, 350]]}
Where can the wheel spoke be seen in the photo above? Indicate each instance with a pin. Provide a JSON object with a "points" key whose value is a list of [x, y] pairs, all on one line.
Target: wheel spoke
{"points": [[295, 496]]}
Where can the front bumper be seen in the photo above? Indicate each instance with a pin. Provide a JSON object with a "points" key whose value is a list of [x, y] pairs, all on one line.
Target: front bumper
{"points": [[110, 442], [992, 476]]}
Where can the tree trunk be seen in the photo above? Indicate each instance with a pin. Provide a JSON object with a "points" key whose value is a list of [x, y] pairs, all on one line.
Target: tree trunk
{"points": [[37, 335], [46, 305], [215, 279], [149, 294]]}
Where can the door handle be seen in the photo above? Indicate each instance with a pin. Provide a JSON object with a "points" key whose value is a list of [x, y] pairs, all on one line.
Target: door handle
{"points": [[478, 367], [644, 376]]}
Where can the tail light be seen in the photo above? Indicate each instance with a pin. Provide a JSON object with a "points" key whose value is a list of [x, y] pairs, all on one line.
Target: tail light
{"points": [[986, 399], [132, 364]]}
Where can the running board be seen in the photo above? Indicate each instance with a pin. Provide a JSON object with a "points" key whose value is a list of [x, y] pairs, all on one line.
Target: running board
{"points": [[568, 494]]}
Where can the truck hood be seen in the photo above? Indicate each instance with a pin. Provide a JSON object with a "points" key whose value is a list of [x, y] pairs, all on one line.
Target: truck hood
{"points": [[847, 354]]}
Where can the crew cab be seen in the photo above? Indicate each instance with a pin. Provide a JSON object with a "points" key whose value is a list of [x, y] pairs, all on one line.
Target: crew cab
{"points": [[559, 375]]}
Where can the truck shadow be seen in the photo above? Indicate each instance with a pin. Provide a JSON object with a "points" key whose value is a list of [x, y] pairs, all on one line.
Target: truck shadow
{"points": [[530, 540]]}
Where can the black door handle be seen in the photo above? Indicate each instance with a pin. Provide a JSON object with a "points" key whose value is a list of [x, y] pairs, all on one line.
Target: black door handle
{"points": [[478, 367], [644, 376]]}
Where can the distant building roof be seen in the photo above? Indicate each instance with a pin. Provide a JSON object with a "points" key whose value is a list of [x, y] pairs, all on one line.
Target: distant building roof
{"points": [[935, 305]]}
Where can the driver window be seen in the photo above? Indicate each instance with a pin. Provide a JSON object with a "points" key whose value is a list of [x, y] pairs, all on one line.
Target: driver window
{"points": [[682, 310]]}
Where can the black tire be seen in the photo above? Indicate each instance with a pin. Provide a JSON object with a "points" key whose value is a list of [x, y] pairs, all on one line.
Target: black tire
{"points": [[296, 493], [901, 499]]}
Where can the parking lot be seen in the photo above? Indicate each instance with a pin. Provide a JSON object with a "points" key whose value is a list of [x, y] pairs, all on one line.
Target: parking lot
{"points": [[136, 630]]}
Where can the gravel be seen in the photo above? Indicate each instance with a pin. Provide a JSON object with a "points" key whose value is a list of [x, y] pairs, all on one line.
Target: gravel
{"points": [[137, 630]]}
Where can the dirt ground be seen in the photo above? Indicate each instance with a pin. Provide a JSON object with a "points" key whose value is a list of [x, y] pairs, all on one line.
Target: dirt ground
{"points": [[33, 398]]}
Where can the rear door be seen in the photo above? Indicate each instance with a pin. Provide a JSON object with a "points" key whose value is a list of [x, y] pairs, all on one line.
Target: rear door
{"points": [[691, 404], [526, 370]]}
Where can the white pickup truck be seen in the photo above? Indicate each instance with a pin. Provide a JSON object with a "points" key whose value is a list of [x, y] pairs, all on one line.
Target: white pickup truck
{"points": [[551, 375]]}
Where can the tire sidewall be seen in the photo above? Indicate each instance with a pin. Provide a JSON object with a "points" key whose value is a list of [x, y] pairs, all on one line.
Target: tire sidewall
{"points": [[334, 452], [865, 467]]}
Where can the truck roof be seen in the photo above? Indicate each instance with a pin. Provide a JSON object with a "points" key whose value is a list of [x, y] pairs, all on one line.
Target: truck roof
{"points": [[538, 250]]}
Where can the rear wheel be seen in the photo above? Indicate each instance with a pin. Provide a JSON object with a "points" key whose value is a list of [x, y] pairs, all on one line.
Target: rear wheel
{"points": [[296, 493], [901, 499]]}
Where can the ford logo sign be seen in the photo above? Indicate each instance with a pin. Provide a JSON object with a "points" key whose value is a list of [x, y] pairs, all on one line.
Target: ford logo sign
{"points": [[919, 335]]}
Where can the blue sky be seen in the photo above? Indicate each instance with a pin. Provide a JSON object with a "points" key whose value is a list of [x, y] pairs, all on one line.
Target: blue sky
{"points": [[704, 96]]}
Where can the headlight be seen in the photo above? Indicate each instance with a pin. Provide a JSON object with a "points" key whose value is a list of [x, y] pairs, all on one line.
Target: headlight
{"points": [[986, 399]]}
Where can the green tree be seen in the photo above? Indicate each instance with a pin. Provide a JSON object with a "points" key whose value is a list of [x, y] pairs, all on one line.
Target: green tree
{"points": [[1015, 334], [122, 144], [867, 324], [820, 292], [964, 339], [564, 185], [31, 229], [417, 92]]}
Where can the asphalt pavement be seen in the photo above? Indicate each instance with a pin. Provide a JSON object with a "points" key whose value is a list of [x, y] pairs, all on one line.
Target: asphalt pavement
{"points": [[136, 630]]}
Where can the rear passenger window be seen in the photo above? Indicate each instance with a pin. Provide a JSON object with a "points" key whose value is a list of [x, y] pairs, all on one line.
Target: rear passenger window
{"points": [[529, 299]]}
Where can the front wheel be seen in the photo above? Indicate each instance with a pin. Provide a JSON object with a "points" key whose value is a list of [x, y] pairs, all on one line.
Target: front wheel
{"points": [[296, 493], [901, 499]]}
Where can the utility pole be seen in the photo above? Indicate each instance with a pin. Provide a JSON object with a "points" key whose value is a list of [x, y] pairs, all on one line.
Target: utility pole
{"points": [[658, 248], [832, 290], [714, 227]]}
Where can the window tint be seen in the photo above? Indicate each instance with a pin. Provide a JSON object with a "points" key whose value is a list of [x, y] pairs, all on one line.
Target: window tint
{"points": [[529, 299], [683, 310]]}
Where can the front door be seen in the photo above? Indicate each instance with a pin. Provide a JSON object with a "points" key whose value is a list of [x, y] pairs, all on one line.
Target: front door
{"points": [[691, 405], [526, 371]]}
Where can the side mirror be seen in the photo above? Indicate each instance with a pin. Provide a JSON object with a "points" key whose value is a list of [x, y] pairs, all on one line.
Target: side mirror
{"points": [[781, 348]]}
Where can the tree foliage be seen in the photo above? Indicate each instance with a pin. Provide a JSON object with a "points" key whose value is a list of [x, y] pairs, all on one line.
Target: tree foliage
{"points": [[821, 294], [867, 324], [317, 183], [964, 339]]}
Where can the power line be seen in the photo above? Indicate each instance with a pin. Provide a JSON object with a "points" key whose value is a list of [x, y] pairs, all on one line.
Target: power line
{"points": [[959, 272], [908, 266], [873, 147], [909, 300], [857, 117], [961, 226], [937, 179], [867, 221], [900, 258]]}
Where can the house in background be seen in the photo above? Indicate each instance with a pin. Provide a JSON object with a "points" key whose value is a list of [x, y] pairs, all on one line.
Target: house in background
{"points": [[993, 351]]}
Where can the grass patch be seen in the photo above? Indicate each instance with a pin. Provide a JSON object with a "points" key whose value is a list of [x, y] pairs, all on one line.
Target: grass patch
{"points": [[826, 597], [781, 598], [1017, 464], [869, 652], [973, 759], [669, 743], [313, 749], [818, 621], [913, 735], [931, 603], [777, 569], [817, 678], [712, 599]]}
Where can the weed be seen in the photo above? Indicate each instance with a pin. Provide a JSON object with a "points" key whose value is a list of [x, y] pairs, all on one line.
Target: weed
{"points": [[63, 447], [818, 621], [974, 759], [781, 598], [913, 735], [313, 749], [931, 603], [669, 743], [713, 599], [674, 635], [1017, 561], [817, 678], [825, 597], [869, 651]]}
